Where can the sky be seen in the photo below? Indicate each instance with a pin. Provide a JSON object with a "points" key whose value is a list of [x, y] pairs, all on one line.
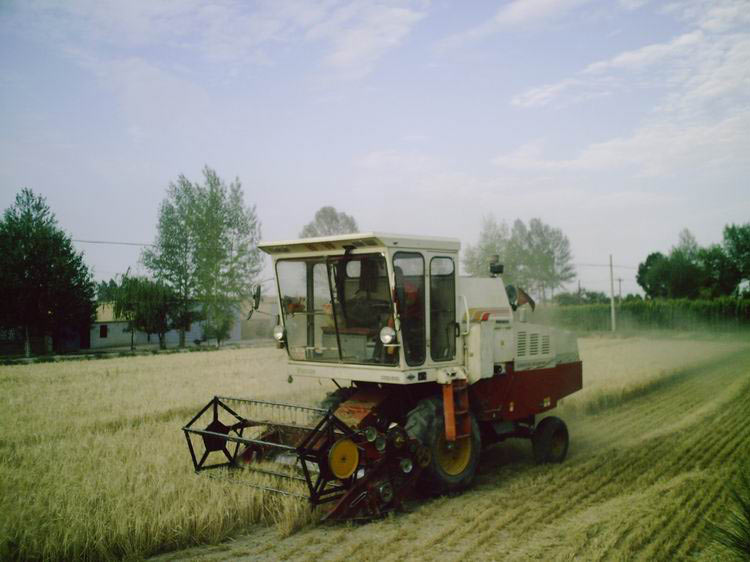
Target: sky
{"points": [[620, 122]]}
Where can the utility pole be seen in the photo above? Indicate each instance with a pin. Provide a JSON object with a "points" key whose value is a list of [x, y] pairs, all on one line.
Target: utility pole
{"points": [[619, 282], [612, 293]]}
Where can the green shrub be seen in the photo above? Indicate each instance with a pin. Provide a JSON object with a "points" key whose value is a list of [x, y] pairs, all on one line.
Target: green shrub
{"points": [[723, 314]]}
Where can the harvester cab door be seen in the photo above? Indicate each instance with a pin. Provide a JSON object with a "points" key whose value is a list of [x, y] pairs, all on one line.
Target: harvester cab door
{"points": [[443, 332], [409, 285], [425, 296]]}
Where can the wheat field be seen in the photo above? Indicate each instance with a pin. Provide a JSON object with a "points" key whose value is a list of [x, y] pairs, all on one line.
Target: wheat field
{"points": [[93, 464]]}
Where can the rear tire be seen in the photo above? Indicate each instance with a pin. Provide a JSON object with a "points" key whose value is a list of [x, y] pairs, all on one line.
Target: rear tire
{"points": [[550, 441], [449, 469]]}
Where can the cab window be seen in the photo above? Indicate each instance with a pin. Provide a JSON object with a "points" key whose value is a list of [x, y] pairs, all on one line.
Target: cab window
{"points": [[442, 309], [408, 270]]}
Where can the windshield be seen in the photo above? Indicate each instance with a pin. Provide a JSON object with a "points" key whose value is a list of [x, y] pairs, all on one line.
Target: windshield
{"points": [[335, 307]]}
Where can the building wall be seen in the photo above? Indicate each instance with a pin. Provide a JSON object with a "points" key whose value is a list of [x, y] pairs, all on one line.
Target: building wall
{"points": [[116, 336], [172, 337]]}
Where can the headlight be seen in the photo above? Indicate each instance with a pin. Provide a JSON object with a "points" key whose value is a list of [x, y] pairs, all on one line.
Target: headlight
{"points": [[387, 335], [278, 332]]}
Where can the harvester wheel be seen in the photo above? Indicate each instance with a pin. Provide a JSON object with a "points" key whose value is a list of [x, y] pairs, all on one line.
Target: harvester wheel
{"points": [[550, 441], [451, 465]]}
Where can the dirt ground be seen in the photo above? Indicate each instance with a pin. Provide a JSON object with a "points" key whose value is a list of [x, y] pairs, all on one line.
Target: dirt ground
{"points": [[643, 476]]}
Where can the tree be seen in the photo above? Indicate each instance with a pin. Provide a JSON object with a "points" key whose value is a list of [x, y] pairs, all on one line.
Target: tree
{"points": [[737, 247], [227, 257], [687, 246], [536, 256], [124, 305], [206, 251], [172, 259], [685, 275], [47, 288], [517, 256], [146, 306], [653, 275], [719, 274], [493, 241], [156, 309], [328, 221], [687, 272], [549, 254], [105, 290]]}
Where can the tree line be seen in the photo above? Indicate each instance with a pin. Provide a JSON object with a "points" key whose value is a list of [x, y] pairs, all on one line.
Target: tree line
{"points": [[690, 271], [718, 314], [202, 266]]}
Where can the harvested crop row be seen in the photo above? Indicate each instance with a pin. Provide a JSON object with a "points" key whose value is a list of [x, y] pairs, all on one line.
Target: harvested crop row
{"points": [[92, 465], [647, 474]]}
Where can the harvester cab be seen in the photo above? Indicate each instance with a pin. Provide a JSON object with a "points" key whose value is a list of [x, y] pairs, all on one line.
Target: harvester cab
{"points": [[429, 367]]}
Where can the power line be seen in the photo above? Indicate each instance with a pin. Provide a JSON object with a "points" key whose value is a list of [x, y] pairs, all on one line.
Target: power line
{"points": [[117, 243], [112, 243], [604, 265]]}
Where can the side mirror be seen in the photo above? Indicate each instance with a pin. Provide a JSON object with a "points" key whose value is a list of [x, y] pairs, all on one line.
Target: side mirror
{"points": [[496, 269], [256, 297]]}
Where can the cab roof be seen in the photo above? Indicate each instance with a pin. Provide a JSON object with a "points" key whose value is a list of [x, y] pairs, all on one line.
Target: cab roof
{"points": [[360, 240]]}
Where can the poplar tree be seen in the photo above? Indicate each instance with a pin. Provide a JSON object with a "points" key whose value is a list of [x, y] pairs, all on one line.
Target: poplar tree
{"points": [[206, 251], [536, 256], [329, 221]]}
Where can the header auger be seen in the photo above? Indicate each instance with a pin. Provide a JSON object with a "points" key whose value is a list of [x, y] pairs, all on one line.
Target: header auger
{"points": [[429, 367]]}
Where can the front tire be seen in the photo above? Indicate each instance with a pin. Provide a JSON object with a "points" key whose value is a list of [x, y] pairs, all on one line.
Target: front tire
{"points": [[550, 441], [451, 467]]}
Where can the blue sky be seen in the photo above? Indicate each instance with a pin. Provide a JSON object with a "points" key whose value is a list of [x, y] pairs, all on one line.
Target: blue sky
{"points": [[619, 122]]}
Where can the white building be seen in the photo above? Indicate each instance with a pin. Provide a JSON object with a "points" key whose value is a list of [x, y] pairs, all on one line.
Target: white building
{"points": [[107, 331]]}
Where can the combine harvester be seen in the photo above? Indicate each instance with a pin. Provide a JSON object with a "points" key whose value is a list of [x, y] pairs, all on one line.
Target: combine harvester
{"points": [[430, 367]]}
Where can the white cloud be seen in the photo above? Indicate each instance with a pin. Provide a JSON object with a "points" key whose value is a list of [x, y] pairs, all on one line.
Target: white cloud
{"points": [[694, 69], [513, 14], [638, 59], [600, 79], [521, 12], [633, 4], [542, 95], [712, 15], [715, 79], [404, 163], [355, 35], [657, 149], [360, 34], [553, 93], [528, 157]]}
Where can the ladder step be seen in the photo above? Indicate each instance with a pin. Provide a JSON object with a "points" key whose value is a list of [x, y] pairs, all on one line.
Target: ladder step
{"points": [[457, 410]]}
